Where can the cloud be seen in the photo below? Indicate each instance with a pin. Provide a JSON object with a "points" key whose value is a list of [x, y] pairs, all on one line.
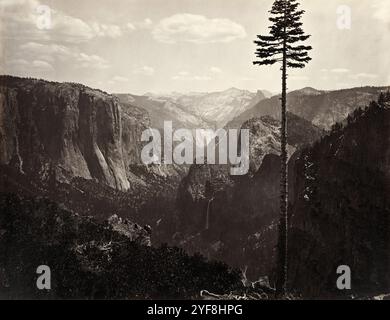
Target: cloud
{"points": [[59, 54], [22, 19], [299, 78], [339, 70], [146, 24], [10, 3], [120, 79], [246, 79], [215, 70], [107, 30], [145, 71], [201, 78], [364, 76], [91, 61], [183, 73], [197, 29], [42, 65], [381, 10], [130, 26], [49, 51], [21, 66], [186, 76], [65, 28]]}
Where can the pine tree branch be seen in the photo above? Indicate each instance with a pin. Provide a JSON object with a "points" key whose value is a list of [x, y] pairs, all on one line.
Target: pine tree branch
{"points": [[266, 62]]}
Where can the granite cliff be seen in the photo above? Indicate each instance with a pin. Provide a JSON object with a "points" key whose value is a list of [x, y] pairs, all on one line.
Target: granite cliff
{"points": [[69, 130]]}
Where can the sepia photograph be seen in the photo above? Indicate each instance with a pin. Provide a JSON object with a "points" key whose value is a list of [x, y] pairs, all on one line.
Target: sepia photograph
{"points": [[217, 151]]}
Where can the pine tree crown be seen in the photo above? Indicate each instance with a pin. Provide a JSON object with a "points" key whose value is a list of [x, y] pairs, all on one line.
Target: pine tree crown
{"points": [[285, 34]]}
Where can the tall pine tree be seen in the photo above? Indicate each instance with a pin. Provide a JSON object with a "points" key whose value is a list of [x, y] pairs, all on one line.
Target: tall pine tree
{"points": [[282, 45]]}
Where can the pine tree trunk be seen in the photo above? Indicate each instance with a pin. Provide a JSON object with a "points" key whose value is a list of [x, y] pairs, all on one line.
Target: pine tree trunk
{"points": [[283, 224]]}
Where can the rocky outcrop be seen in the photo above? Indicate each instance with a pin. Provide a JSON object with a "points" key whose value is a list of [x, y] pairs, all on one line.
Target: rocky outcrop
{"points": [[265, 136], [341, 208], [68, 130], [130, 230]]}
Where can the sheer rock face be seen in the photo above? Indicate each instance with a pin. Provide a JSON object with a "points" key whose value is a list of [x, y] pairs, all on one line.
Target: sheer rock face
{"points": [[68, 130], [265, 136], [341, 209]]}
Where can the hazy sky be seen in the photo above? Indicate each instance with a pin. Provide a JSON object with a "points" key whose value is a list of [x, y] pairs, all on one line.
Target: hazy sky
{"points": [[143, 46]]}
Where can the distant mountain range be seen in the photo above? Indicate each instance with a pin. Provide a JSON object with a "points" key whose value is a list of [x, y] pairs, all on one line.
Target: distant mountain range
{"points": [[322, 108], [195, 109], [232, 107]]}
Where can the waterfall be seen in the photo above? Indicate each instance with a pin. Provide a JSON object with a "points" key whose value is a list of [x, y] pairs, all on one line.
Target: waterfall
{"points": [[208, 214]]}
